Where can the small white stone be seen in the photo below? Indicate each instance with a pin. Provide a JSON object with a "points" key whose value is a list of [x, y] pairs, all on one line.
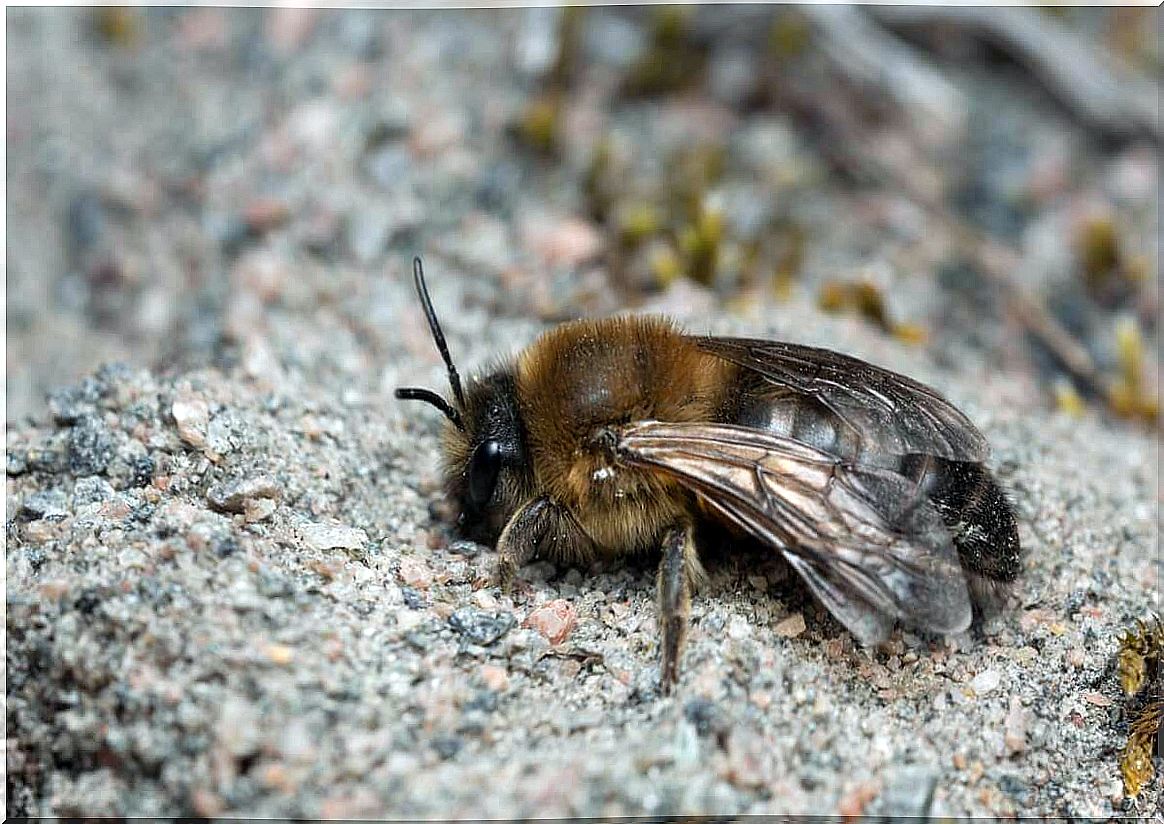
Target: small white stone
{"points": [[333, 536], [986, 681], [790, 627], [738, 628], [192, 415]]}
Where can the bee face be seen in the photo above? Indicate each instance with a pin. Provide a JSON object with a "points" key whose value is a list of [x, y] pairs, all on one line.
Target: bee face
{"points": [[486, 467]]}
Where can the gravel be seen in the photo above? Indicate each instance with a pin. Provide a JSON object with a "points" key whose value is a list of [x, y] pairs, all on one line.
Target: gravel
{"points": [[228, 590]]}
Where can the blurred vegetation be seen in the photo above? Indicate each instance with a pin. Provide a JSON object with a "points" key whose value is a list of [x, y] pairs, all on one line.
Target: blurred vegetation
{"points": [[1130, 394], [865, 299], [672, 61], [119, 25]]}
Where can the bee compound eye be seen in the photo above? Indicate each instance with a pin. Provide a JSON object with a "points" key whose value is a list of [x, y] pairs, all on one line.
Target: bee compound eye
{"points": [[484, 467]]}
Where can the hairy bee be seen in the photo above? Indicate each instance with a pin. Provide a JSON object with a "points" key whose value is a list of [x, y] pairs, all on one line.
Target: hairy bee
{"points": [[624, 435]]}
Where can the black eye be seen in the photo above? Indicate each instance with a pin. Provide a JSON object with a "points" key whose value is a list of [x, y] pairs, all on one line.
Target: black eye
{"points": [[483, 469]]}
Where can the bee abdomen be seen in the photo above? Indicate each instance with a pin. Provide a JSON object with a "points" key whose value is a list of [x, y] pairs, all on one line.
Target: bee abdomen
{"points": [[978, 515]]}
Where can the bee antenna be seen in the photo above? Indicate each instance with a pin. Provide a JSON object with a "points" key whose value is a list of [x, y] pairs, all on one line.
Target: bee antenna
{"points": [[415, 393], [439, 337]]}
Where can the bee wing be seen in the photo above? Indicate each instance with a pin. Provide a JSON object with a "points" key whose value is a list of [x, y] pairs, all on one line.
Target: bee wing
{"points": [[865, 539], [892, 414]]}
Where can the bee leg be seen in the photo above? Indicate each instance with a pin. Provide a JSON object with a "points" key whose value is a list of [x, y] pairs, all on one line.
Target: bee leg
{"points": [[678, 572], [520, 538]]}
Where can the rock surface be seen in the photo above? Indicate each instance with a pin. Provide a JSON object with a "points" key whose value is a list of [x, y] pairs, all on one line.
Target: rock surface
{"points": [[227, 593]]}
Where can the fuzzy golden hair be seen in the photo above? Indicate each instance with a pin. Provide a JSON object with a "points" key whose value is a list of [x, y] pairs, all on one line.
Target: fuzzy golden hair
{"points": [[586, 375]]}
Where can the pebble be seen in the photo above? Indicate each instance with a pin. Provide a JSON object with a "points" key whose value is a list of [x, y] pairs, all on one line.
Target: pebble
{"points": [[790, 627], [50, 504], [233, 496], [206, 804], [238, 726], [482, 599], [909, 791], [288, 29], [747, 760], [733, 75], [686, 745], [70, 404], [494, 677], [192, 416], [537, 43], [262, 214], [854, 801], [554, 621], [1015, 728], [986, 681], [261, 273], [480, 627], [91, 446], [16, 463], [367, 234], [332, 536], [414, 573], [279, 654], [569, 242], [258, 509], [90, 490], [613, 40], [738, 628], [203, 29], [1097, 699], [412, 597], [464, 548]]}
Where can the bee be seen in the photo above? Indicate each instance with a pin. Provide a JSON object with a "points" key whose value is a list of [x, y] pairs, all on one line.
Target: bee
{"points": [[624, 435]]}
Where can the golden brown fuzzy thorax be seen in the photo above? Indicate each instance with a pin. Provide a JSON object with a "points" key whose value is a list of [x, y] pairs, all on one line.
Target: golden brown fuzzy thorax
{"points": [[585, 375]]}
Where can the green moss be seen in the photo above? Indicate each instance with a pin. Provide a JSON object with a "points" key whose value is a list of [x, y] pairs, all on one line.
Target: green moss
{"points": [[540, 122], [1129, 394], [562, 73], [691, 172], [119, 25], [790, 34], [672, 61], [638, 221], [1099, 249], [700, 242], [789, 261], [866, 299]]}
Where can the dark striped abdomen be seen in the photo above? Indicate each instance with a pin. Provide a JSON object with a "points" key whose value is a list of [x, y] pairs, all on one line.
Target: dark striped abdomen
{"points": [[979, 516], [972, 504]]}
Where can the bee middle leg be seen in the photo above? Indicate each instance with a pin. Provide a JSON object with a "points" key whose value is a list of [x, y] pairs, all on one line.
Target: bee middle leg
{"points": [[679, 574]]}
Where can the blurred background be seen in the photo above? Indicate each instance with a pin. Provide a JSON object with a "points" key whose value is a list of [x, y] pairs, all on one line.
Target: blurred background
{"points": [[244, 188]]}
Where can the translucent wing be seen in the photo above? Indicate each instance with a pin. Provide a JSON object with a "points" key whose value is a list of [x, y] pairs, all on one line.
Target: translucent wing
{"points": [[865, 539], [883, 412]]}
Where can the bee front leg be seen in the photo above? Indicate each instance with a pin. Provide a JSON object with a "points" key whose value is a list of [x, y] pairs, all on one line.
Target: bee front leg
{"points": [[679, 572], [520, 538]]}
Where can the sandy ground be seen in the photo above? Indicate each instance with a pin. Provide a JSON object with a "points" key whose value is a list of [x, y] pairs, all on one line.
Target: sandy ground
{"points": [[226, 592]]}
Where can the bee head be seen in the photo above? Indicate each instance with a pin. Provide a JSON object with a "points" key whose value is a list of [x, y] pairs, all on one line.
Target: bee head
{"points": [[486, 471]]}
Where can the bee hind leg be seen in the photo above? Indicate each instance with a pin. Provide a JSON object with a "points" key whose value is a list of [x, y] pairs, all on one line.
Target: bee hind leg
{"points": [[679, 574]]}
